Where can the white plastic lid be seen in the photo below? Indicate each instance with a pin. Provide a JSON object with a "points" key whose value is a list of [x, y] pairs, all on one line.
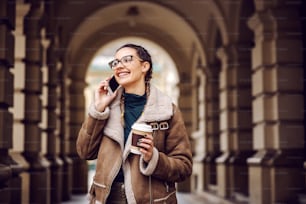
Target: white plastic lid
{"points": [[142, 127]]}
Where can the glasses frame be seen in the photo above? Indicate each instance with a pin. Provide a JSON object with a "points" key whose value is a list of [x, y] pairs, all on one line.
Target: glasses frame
{"points": [[120, 61]]}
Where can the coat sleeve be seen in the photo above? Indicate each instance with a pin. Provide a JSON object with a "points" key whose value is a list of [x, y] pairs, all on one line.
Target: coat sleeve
{"points": [[175, 164], [90, 134]]}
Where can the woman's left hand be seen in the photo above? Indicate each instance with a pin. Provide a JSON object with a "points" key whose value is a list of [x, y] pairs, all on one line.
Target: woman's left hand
{"points": [[146, 145]]}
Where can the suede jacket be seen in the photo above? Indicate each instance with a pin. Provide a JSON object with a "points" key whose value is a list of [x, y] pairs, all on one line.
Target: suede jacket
{"points": [[101, 137]]}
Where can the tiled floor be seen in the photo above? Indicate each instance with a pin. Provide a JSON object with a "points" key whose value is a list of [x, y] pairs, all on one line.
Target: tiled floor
{"points": [[183, 198]]}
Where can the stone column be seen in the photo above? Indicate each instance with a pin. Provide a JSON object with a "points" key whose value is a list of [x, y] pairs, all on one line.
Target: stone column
{"points": [[39, 175], [235, 121], [212, 127], [52, 109], [53, 106], [6, 93], [76, 118], [64, 132], [10, 180], [276, 170], [198, 136], [19, 97], [185, 106]]}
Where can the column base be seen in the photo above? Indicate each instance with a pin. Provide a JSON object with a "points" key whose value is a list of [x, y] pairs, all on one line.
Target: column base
{"points": [[56, 169], [5, 175], [66, 178], [80, 175], [39, 178], [276, 176], [184, 186], [239, 173], [12, 178], [197, 177], [15, 189], [232, 174], [210, 171], [223, 175]]}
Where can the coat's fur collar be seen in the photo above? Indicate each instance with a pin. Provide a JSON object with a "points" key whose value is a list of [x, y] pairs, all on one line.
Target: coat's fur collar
{"points": [[158, 108]]}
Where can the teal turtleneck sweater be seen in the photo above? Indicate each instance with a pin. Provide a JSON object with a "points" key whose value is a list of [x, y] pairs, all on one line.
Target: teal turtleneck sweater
{"points": [[133, 107]]}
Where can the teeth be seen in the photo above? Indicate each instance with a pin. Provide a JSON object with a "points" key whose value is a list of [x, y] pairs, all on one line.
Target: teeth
{"points": [[123, 74]]}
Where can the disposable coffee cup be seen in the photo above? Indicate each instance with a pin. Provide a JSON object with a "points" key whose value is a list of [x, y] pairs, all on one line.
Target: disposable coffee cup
{"points": [[139, 130]]}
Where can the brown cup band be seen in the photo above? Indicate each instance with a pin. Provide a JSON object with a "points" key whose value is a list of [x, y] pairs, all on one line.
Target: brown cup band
{"points": [[135, 139]]}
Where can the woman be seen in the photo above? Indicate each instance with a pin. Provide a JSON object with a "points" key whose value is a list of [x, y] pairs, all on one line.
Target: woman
{"points": [[166, 158]]}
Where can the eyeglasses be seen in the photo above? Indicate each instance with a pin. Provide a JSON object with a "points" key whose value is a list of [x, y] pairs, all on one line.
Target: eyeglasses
{"points": [[126, 60]]}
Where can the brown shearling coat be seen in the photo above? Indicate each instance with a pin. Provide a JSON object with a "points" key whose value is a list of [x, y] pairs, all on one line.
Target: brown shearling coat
{"points": [[101, 137]]}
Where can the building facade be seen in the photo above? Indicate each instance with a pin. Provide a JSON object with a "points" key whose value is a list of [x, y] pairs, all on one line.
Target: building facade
{"points": [[241, 84]]}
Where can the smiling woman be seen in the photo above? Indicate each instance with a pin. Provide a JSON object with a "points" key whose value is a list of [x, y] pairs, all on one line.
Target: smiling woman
{"points": [[165, 75], [164, 151]]}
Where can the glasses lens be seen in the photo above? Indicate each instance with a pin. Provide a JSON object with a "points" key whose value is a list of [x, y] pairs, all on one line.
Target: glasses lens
{"points": [[113, 63], [124, 60], [127, 59]]}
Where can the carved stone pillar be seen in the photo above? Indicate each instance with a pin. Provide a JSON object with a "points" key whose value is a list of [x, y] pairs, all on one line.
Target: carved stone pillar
{"points": [[19, 96], [276, 170], [10, 181], [52, 133], [39, 175], [235, 121], [80, 166], [198, 136], [186, 108], [53, 106], [212, 128], [64, 133]]}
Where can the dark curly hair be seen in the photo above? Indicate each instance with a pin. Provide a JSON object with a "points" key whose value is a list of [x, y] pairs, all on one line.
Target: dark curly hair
{"points": [[142, 54]]}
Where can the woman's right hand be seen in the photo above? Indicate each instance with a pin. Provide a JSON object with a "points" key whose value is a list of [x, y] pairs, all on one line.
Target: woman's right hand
{"points": [[102, 97]]}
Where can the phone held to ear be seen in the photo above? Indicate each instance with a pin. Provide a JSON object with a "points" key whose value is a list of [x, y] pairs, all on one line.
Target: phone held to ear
{"points": [[112, 85]]}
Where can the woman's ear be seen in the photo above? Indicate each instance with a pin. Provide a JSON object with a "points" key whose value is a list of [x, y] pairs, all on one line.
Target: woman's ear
{"points": [[145, 66]]}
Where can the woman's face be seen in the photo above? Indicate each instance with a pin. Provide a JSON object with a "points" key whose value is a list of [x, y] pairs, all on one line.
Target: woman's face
{"points": [[130, 70]]}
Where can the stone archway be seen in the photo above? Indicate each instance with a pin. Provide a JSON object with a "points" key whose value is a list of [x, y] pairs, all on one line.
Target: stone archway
{"points": [[89, 37]]}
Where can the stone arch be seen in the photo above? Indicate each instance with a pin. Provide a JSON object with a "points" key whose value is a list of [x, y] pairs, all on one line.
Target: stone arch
{"points": [[219, 19], [177, 46], [87, 38]]}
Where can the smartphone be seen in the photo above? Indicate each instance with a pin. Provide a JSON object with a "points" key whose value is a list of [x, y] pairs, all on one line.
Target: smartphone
{"points": [[113, 85]]}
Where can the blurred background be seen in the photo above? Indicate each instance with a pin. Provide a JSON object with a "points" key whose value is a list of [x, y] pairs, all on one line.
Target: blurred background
{"points": [[235, 68]]}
